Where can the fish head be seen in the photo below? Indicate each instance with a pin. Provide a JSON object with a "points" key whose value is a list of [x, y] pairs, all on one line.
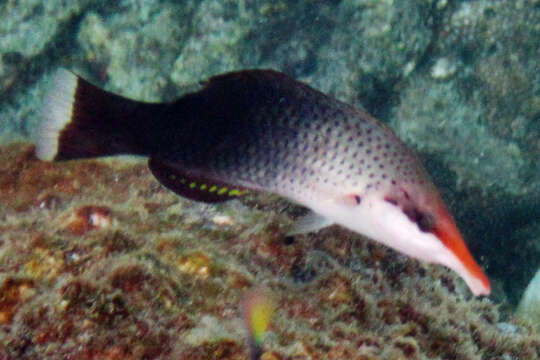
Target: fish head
{"points": [[419, 205], [413, 219]]}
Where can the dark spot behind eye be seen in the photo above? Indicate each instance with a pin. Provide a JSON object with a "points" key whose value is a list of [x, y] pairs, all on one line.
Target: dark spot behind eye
{"points": [[358, 199], [424, 221]]}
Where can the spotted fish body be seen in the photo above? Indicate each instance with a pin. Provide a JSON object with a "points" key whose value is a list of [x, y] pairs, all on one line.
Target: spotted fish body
{"points": [[261, 130]]}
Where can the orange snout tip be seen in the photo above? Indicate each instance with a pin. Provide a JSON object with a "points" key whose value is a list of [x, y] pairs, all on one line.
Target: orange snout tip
{"points": [[447, 231], [486, 287]]}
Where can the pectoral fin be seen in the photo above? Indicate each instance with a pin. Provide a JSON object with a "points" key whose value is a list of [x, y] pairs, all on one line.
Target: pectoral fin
{"points": [[309, 223]]}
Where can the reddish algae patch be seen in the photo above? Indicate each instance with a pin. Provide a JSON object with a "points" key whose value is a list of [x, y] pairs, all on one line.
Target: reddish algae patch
{"points": [[13, 293]]}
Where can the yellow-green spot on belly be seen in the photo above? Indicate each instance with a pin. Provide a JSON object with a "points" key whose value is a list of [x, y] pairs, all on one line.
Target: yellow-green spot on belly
{"points": [[236, 192], [222, 191], [193, 185], [213, 188], [204, 187]]}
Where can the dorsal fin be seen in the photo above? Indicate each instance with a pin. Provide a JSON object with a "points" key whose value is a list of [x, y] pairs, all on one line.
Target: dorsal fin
{"points": [[192, 186]]}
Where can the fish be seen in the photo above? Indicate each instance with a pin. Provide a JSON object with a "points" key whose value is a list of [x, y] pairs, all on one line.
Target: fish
{"points": [[258, 308], [261, 130]]}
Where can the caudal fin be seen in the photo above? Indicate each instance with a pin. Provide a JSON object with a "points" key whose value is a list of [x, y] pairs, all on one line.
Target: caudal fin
{"points": [[80, 120]]}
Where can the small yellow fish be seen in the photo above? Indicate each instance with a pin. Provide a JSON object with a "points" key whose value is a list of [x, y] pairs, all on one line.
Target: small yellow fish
{"points": [[258, 308]]}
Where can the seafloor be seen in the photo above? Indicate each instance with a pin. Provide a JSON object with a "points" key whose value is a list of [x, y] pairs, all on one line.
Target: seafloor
{"points": [[99, 261]]}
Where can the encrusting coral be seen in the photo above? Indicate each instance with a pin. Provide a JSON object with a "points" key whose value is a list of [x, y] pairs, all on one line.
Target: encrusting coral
{"points": [[98, 261]]}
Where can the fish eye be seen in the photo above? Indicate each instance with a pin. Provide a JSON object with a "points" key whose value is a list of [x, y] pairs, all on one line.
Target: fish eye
{"points": [[424, 221]]}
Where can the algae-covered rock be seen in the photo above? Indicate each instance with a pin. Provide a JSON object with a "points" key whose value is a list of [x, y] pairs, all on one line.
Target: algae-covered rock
{"points": [[479, 94], [217, 47], [28, 26], [137, 63], [373, 46], [529, 306]]}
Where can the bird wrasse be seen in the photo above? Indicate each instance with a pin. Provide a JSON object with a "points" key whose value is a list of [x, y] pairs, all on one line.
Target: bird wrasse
{"points": [[260, 130]]}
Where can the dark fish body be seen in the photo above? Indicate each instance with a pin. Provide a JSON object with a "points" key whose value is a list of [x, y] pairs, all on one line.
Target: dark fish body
{"points": [[261, 130], [258, 129]]}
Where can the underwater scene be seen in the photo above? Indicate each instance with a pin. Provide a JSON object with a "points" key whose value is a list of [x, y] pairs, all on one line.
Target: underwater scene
{"points": [[274, 180]]}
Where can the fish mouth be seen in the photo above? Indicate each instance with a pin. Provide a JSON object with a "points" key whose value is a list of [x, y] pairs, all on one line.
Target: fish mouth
{"points": [[447, 232], [432, 217]]}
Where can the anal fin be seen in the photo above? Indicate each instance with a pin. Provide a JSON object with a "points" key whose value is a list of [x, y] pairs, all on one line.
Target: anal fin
{"points": [[192, 186]]}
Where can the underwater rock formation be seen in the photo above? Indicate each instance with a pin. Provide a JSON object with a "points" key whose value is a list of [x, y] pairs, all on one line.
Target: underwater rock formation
{"points": [[529, 306]]}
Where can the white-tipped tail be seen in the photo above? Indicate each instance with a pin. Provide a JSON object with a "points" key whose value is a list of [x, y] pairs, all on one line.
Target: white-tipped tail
{"points": [[55, 113]]}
